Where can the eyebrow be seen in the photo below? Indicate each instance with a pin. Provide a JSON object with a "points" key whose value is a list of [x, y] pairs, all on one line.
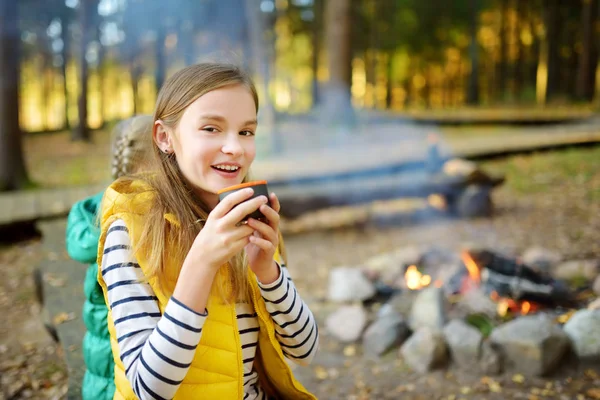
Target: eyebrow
{"points": [[219, 118]]}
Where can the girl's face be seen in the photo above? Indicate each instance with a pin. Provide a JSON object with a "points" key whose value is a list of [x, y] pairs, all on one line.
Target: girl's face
{"points": [[214, 141]]}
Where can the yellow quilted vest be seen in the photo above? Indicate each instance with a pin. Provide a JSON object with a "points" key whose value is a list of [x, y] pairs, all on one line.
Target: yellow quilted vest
{"points": [[217, 370]]}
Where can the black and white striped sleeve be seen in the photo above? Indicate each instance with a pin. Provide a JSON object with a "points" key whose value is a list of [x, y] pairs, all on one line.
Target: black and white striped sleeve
{"points": [[156, 349], [295, 326]]}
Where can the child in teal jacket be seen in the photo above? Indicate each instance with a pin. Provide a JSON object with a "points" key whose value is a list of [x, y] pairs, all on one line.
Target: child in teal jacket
{"points": [[131, 151]]}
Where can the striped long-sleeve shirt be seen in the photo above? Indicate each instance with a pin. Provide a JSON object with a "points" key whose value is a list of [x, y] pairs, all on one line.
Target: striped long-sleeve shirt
{"points": [[157, 349]]}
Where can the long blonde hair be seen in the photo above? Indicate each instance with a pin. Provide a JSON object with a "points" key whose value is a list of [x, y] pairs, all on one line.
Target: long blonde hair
{"points": [[173, 194]]}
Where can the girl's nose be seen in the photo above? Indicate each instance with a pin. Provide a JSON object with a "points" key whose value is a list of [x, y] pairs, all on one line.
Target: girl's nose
{"points": [[233, 145]]}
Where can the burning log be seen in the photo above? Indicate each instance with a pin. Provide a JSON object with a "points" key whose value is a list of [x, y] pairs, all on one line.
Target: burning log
{"points": [[505, 278]]}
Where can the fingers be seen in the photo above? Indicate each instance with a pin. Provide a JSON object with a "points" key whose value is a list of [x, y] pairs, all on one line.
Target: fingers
{"points": [[231, 201], [275, 205], [265, 230], [240, 232], [242, 210], [272, 216], [264, 244]]}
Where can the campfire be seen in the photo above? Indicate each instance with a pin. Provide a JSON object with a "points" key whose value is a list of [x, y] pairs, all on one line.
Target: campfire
{"points": [[515, 288]]}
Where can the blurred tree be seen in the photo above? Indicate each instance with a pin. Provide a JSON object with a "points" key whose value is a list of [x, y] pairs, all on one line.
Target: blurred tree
{"points": [[553, 28], [473, 85], [502, 55], [520, 26], [86, 15], [12, 165], [337, 105], [260, 28], [588, 57], [317, 39], [66, 16]]}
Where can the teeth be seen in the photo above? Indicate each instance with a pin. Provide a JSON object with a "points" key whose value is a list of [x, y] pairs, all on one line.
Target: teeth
{"points": [[227, 167]]}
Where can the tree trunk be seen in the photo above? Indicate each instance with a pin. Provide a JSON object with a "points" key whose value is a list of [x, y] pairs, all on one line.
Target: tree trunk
{"points": [[502, 64], [389, 80], [12, 164], [337, 108], [135, 72], [552, 37], [100, 70], [520, 63], [473, 87], [317, 33], [48, 77], [160, 67], [261, 55], [82, 132], [63, 68], [533, 60], [262, 59], [588, 58]]}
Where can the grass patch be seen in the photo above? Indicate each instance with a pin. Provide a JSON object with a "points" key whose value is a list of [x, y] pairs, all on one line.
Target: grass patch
{"points": [[537, 173]]}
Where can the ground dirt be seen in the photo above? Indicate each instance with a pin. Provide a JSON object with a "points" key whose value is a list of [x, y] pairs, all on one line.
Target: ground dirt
{"points": [[562, 213]]}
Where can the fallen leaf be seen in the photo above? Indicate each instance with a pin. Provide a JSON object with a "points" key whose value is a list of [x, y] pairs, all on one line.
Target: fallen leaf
{"points": [[405, 388], [333, 373], [321, 373], [591, 374], [350, 351], [63, 317], [518, 378], [594, 393], [562, 319], [53, 280]]}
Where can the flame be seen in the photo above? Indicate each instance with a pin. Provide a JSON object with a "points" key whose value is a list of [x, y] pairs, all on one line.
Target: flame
{"points": [[506, 305], [472, 267], [414, 279]]}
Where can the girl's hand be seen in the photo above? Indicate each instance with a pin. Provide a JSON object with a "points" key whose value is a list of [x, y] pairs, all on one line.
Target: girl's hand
{"points": [[264, 242], [222, 235]]}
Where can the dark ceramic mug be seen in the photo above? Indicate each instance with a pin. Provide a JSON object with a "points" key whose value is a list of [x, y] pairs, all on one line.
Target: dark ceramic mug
{"points": [[260, 189]]}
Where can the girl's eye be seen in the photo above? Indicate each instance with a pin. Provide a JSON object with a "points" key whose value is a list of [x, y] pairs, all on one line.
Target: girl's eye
{"points": [[247, 133], [209, 129]]}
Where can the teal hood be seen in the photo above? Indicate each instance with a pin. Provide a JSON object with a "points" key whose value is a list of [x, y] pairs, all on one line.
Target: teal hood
{"points": [[82, 232]]}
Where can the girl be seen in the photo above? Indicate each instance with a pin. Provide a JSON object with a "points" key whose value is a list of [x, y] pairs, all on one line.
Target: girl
{"points": [[131, 146], [200, 306]]}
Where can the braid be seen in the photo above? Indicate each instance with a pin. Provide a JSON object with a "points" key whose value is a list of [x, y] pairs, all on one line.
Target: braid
{"points": [[131, 145]]}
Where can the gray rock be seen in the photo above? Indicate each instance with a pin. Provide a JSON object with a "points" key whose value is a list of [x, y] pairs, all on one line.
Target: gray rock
{"points": [[464, 342], [476, 301], [588, 269], [474, 201], [349, 284], [533, 345], [584, 331], [425, 350], [400, 303], [429, 309], [594, 305], [347, 323], [541, 258], [390, 266], [596, 286], [385, 333], [490, 362]]}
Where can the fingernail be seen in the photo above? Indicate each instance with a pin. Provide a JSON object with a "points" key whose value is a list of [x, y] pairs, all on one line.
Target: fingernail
{"points": [[249, 190]]}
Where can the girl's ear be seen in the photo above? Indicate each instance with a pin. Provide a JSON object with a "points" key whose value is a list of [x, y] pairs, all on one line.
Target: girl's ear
{"points": [[162, 136]]}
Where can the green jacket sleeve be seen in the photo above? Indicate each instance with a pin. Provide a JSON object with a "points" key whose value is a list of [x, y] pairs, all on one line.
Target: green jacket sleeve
{"points": [[82, 232]]}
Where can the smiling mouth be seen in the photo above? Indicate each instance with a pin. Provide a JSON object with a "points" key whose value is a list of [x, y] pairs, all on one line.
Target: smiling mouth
{"points": [[226, 168]]}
